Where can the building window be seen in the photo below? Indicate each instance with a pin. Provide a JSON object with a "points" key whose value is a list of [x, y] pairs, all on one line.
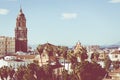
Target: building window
{"points": [[116, 56]]}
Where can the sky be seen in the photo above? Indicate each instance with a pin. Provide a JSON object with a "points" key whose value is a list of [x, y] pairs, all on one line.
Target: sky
{"points": [[64, 22]]}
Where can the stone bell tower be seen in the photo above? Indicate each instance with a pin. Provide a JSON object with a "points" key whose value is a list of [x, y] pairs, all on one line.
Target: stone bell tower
{"points": [[21, 33]]}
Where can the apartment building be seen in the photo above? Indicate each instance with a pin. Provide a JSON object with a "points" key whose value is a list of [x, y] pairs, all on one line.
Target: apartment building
{"points": [[7, 45]]}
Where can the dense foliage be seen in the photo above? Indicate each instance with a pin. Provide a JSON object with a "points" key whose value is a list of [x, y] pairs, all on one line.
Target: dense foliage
{"points": [[81, 70]]}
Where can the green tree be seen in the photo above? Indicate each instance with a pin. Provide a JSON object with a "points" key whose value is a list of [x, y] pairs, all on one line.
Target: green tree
{"points": [[1, 74], [107, 63], [71, 58], [4, 72], [20, 72], [29, 75], [89, 71], [63, 51], [48, 72], [81, 53], [11, 72], [65, 75], [40, 49], [73, 76], [40, 74], [116, 64]]}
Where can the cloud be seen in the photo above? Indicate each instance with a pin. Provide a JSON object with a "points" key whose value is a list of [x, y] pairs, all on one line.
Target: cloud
{"points": [[114, 1], [69, 15], [4, 11]]}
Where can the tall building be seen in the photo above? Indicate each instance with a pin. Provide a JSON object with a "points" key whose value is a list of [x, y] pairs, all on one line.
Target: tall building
{"points": [[7, 45], [21, 33]]}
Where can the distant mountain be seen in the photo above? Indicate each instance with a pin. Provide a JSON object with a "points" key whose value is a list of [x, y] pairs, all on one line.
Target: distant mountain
{"points": [[118, 43], [35, 45], [115, 45]]}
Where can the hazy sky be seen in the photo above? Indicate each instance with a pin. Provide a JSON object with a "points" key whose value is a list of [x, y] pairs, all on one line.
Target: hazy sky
{"points": [[64, 22]]}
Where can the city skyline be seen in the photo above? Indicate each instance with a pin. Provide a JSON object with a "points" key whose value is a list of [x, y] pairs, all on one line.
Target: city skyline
{"points": [[64, 22]]}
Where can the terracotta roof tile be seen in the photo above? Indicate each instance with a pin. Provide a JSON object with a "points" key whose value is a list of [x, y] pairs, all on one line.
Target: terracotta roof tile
{"points": [[25, 56]]}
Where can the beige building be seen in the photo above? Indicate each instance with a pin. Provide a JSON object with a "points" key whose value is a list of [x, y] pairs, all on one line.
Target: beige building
{"points": [[7, 45], [14, 63], [115, 55], [93, 48], [102, 55]]}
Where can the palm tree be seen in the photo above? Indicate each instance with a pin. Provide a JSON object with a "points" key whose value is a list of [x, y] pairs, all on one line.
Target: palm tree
{"points": [[84, 54], [1, 74], [5, 71], [116, 65], [49, 50], [62, 50], [71, 58], [65, 75], [48, 72], [89, 71], [40, 49], [65, 57], [20, 72], [107, 63], [11, 72], [40, 73], [81, 53], [29, 76]]}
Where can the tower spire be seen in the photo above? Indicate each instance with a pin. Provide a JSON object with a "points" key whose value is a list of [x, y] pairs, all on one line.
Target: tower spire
{"points": [[21, 10], [20, 6]]}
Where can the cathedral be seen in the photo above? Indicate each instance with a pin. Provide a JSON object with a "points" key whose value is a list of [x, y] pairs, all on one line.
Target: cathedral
{"points": [[21, 33], [9, 45]]}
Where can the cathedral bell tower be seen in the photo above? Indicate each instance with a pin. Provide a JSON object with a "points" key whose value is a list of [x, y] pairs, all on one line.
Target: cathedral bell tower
{"points": [[21, 33]]}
